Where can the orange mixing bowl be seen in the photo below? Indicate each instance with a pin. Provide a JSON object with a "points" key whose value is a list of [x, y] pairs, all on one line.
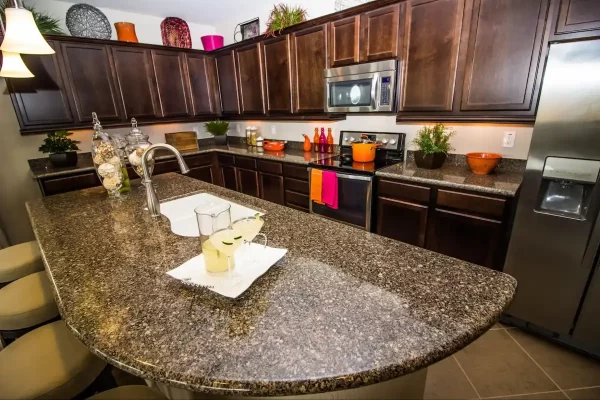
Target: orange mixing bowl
{"points": [[483, 163]]}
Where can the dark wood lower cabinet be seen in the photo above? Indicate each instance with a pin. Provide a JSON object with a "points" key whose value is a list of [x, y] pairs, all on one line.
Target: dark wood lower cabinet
{"points": [[466, 237], [202, 174], [271, 188], [69, 183], [248, 182], [401, 220], [229, 177]]}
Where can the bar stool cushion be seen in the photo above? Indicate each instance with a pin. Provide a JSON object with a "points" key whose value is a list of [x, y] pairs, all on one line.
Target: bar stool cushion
{"points": [[47, 363], [27, 302], [19, 261], [137, 392]]}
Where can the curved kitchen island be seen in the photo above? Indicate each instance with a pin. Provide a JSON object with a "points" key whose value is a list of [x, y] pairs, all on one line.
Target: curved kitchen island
{"points": [[342, 310]]}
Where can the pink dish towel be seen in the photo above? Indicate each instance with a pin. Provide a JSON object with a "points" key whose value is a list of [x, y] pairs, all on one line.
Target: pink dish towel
{"points": [[330, 189]]}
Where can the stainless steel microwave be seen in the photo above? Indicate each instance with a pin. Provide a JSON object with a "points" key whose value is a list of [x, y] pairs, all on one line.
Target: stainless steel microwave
{"points": [[369, 87]]}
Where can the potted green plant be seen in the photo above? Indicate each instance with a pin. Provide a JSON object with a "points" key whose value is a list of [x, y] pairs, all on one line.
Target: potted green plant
{"points": [[283, 16], [61, 148], [219, 130], [433, 144]]}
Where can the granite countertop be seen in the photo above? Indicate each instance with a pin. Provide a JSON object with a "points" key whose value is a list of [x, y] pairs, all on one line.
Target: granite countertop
{"points": [[42, 168], [343, 309], [502, 182]]}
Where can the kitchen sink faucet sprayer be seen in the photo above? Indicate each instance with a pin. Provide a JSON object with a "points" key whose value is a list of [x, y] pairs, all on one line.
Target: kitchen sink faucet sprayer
{"points": [[152, 199]]}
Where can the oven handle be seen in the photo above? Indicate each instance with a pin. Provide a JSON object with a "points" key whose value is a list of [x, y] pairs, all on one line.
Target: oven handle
{"points": [[345, 176]]}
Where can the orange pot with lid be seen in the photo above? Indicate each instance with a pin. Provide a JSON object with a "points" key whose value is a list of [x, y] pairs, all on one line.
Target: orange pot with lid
{"points": [[364, 151]]}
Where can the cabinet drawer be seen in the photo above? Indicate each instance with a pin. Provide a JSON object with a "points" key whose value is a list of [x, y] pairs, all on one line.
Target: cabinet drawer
{"points": [[70, 183], [225, 159], [271, 167], [162, 167], [403, 191], [199, 160], [471, 203], [296, 200], [243, 162], [296, 185], [295, 171]]}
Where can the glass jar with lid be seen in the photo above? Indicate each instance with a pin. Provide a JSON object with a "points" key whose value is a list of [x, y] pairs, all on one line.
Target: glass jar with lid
{"points": [[105, 154], [137, 143]]}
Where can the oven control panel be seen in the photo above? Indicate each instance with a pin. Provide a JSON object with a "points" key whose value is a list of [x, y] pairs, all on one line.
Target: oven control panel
{"points": [[387, 141]]}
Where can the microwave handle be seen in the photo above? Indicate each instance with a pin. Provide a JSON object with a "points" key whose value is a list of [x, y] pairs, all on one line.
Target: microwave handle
{"points": [[375, 91]]}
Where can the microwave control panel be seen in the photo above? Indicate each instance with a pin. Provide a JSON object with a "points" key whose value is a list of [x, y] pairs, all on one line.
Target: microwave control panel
{"points": [[384, 97]]}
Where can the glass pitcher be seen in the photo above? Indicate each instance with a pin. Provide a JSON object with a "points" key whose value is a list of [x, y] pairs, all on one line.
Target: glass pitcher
{"points": [[214, 217]]}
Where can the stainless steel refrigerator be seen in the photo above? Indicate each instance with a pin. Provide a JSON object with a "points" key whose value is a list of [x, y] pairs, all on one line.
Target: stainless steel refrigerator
{"points": [[553, 251]]}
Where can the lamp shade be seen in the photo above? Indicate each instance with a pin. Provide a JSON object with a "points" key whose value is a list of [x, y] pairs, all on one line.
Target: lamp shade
{"points": [[22, 34], [13, 66]]}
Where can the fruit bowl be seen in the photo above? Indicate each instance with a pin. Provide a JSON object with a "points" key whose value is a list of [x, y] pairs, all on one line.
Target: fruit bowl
{"points": [[483, 163]]}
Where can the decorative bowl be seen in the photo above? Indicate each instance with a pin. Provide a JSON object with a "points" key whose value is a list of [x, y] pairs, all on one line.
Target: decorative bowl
{"points": [[483, 163]]}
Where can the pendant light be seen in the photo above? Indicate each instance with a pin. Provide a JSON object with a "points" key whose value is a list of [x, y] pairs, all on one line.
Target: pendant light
{"points": [[22, 34], [12, 63]]}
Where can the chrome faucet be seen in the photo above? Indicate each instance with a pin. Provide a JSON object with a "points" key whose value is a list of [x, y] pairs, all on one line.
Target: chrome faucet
{"points": [[153, 204]]}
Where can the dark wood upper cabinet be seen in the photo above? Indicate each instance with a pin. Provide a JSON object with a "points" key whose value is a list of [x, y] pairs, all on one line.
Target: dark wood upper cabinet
{"points": [[276, 54], [309, 59], [250, 79], [577, 19], [41, 100], [380, 33], [344, 41], [228, 83], [204, 95], [433, 32], [92, 81], [504, 54], [136, 82], [171, 83]]}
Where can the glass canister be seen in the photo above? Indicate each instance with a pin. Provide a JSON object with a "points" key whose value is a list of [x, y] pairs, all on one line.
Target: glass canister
{"points": [[108, 164], [121, 144], [249, 136], [137, 143]]}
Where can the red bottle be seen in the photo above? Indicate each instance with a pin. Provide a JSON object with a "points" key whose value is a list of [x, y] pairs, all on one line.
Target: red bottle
{"points": [[329, 141], [322, 141]]}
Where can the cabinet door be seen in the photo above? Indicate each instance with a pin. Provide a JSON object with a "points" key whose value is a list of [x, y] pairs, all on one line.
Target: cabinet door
{"points": [[578, 18], [135, 76], [204, 96], [229, 177], [171, 84], [466, 237], [504, 54], [248, 181], [413, 228], [276, 55], [201, 173], [433, 30], [228, 83], [92, 80], [344, 42], [309, 59], [380, 33], [41, 100], [64, 184], [250, 79], [271, 188]]}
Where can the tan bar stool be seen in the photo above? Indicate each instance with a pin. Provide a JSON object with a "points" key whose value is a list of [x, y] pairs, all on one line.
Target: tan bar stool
{"points": [[25, 304], [128, 393], [19, 261], [47, 363]]}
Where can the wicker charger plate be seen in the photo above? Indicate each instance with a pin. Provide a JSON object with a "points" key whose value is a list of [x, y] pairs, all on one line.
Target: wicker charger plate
{"points": [[176, 33], [87, 21]]}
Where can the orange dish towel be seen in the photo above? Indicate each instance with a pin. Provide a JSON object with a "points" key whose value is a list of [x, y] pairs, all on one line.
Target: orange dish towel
{"points": [[316, 185]]}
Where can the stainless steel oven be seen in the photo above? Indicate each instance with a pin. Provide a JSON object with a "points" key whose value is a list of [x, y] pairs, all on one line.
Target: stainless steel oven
{"points": [[354, 201], [369, 87]]}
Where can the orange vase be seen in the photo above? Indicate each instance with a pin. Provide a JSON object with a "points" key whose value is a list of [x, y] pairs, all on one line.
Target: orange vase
{"points": [[126, 32]]}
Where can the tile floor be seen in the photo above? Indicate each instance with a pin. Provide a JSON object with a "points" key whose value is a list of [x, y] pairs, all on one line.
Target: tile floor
{"points": [[508, 363]]}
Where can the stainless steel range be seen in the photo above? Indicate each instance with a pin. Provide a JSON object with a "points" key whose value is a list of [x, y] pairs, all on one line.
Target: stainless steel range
{"points": [[355, 179]]}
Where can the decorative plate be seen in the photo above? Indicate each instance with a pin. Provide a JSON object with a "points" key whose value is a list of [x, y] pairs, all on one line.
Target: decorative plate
{"points": [[176, 33], [87, 21]]}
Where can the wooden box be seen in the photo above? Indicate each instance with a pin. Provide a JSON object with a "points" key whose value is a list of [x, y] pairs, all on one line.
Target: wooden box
{"points": [[182, 140]]}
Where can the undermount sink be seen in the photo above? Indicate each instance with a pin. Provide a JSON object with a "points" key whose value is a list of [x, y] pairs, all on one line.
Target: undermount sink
{"points": [[181, 213]]}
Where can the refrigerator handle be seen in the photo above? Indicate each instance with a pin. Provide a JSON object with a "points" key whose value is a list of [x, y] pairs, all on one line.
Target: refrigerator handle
{"points": [[592, 246]]}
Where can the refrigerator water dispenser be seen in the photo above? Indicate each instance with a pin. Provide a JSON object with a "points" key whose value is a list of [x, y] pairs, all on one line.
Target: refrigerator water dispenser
{"points": [[567, 186]]}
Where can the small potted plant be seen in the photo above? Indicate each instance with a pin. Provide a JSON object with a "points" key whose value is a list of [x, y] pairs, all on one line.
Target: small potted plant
{"points": [[61, 149], [219, 130], [433, 144], [283, 16]]}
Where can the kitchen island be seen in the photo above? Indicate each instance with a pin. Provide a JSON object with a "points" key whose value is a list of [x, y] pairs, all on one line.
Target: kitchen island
{"points": [[343, 309]]}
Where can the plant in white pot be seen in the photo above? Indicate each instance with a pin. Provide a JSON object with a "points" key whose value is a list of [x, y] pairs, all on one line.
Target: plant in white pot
{"points": [[219, 131], [433, 145], [62, 149]]}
